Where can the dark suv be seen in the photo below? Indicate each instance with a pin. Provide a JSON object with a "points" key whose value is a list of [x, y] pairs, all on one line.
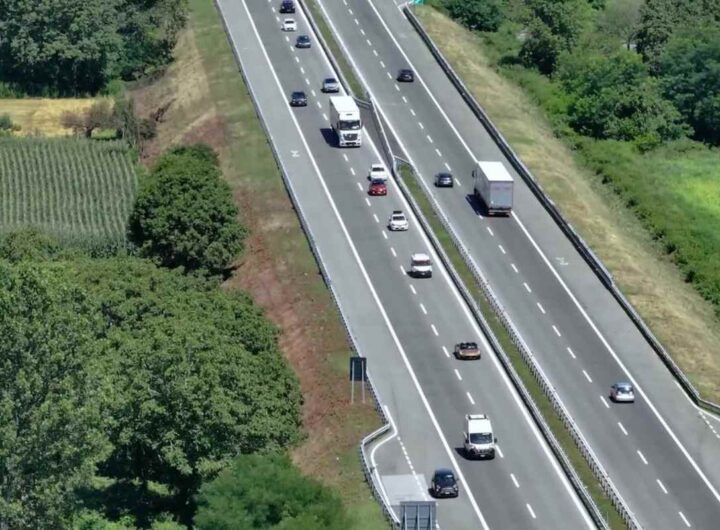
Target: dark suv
{"points": [[444, 483], [444, 180], [287, 6], [298, 99], [303, 41], [406, 75]]}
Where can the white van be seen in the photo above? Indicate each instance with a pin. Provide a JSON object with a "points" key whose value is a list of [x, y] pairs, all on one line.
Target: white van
{"points": [[479, 439], [420, 266]]}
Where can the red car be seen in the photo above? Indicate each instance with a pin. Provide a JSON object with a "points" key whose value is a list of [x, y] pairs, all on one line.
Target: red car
{"points": [[377, 187]]}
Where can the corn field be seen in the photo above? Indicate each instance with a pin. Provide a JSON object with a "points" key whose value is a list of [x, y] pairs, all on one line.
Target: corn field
{"points": [[79, 191]]}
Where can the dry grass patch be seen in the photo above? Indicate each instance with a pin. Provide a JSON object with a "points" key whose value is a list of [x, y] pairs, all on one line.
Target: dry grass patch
{"points": [[210, 103], [42, 116], [682, 320]]}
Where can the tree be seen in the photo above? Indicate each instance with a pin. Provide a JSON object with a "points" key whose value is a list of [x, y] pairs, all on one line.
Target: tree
{"points": [[481, 15], [614, 97], [620, 18], [28, 244], [99, 115], [267, 491], [689, 71], [50, 424], [184, 215]]}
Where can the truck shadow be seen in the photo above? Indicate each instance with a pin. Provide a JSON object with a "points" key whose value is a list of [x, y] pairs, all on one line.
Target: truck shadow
{"points": [[476, 204], [329, 136]]}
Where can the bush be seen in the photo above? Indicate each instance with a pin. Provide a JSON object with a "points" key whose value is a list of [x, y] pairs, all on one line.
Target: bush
{"points": [[184, 215], [28, 245], [267, 492], [481, 15]]}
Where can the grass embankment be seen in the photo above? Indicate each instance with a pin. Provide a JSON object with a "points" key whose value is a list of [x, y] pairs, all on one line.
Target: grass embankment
{"points": [[42, 116], [667, 198], [210, 103], [556, 425]]}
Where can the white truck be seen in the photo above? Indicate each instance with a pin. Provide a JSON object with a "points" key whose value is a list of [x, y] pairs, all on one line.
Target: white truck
{"points": [[494, 187], [345, 121], [479, 439]]}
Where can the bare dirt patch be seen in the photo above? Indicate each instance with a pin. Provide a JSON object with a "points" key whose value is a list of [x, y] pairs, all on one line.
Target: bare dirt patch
{"points": [[682, 320]]}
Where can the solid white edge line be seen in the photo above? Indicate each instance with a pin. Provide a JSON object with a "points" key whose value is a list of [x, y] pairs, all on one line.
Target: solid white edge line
{"points": [[513, 392]]}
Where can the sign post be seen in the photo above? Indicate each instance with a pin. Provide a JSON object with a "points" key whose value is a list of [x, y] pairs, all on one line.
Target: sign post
{"points": [[358, 372]]}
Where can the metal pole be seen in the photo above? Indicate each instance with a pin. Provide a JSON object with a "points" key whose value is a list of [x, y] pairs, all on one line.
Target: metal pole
{"points": [[352, 382]]}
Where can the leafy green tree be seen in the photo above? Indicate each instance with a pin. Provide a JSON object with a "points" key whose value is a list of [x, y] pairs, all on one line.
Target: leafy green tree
{"points": [[51, 433], [621, 18], [266, 491], [28, 244], [614, 97], [689, 71], [184, 215], [481, 15]]}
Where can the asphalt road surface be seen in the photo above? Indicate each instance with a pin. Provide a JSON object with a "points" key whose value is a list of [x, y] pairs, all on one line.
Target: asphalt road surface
{"points": [[662, 452], [405, 327]]}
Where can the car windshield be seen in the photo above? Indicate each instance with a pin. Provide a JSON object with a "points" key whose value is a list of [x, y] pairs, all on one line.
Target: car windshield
{"points": [[303, 38], [469, 346], [422, 262], [330, 81], [398, 217], [445, 481], [480, 438], [298, 94], [624, 389], [377, 182], [349, 125]]}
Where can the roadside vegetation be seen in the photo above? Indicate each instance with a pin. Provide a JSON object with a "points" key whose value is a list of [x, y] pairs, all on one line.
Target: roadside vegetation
{"points": [[624, 138], [171, 356]]}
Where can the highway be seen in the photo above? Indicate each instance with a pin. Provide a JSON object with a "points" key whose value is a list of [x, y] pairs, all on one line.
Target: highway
{"points": [[405, 327], [661, 452]]}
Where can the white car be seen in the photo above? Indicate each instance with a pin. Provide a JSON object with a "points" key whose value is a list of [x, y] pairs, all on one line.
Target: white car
{"points": [[622, 393], [378, 171], [398, 221], [420, 266], [289, 24]]}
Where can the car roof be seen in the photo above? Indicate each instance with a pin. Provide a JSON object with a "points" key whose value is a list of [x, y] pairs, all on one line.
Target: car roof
{"points": [[405, 70], [377, 181], [298, 93], [420, 256], [398, 214], [444, 471], [377, 166], [444, 174], [623, 384], [331, 80], [468, 344]]}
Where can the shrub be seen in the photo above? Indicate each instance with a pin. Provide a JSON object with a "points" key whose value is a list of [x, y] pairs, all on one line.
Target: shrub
{"points": [[481, 15]]}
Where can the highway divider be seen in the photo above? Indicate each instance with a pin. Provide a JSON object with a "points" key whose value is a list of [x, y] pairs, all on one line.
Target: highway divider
{"points": [[369, 472], [577, 241]]}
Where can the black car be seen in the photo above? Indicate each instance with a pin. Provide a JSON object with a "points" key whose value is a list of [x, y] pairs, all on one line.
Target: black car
{"points": [[298, 99], [444, 483], [303, 41], [287, 6], [406, 75], [444, 180]]}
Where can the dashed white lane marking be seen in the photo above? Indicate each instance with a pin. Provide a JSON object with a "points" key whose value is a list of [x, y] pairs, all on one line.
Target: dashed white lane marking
{"points": [[527, 287], [532, 513], [350, 11], [457, 373], [385, 236], [367, 201], [357, 22], [402, 269], [376, 218], [297, 59], [517, 485], [302, 70], [345, 157], [312, 91], [499, 451], [587, 376], [383, 65], [412, 468], [368, 42], [360, 186], [622, 428], [440, 155], [429, 139], [434, 329], [541, 308], [397, 87], [490, 230], [446, 352], [501, 249], [420, 124], [557, 332], [447, 166], [571, 353], [404, 99], [422, 307], [352, 170], [412, 112], [307, 82], [602, 398], [362, 32], [388, 74], [472, 401], [325, 117], [393, 252], [412, 288], [287, 38], [642, 457], [687, 523], [319, 104], [662, 487], [456, 180], [514, 268]]}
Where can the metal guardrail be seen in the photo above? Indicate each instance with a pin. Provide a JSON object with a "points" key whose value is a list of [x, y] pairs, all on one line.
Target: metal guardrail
{"points": [[367, 469], [577, 241], [495, 343]]}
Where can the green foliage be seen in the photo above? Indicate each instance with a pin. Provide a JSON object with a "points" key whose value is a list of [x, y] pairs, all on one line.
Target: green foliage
{"points": [[481, 15], [184, 215], [620, 19], [50, 428], [78, 191], [689, 71], [75, 47], [266, 491], [613, 97], [28, 244], [6, 123]]}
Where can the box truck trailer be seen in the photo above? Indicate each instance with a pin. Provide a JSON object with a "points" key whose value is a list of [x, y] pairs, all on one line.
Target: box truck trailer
{"points": [[494, 187], [345, 118]]}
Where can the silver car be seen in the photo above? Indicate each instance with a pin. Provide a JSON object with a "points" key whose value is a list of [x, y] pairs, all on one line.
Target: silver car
{"points": [[330, 84], [622, 393]]}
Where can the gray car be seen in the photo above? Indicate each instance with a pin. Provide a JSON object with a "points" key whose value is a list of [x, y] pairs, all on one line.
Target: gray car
{"points": [[622, 393], [330, 84]]}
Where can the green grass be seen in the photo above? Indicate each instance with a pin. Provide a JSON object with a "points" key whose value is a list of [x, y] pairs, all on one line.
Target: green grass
{"points": [[556, 425], [79, 191], [330, 450]]}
